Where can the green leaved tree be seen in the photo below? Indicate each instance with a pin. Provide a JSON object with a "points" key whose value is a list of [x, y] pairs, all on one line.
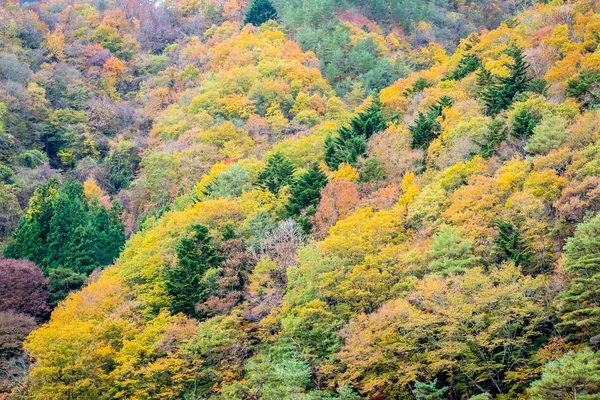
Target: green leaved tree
{"points": [[580, 300], [197, 256], [259, 12], [278, 172]]}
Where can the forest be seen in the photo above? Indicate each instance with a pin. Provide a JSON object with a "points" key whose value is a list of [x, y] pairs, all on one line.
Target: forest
{"points": [[300, 199]]}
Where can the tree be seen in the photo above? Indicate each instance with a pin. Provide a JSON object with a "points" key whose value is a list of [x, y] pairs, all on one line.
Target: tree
{"points": [[450, 253], [548, 135], [425, 128], [185, 283], [524, 123], [61, 282], [350, 143], [67, 237], [30, 238], [580, 299], [306, 190], [498, 92], [14, 328], [231, 183], [509, 245], [277, 173], [259, 12], [585, 88], [345, 148], [23, 288], [576, 375], [496, 133], [429, 391], [10, 210], [468, 63]]}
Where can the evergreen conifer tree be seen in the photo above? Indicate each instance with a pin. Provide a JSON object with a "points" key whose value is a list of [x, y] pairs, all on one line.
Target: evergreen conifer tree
{"points": [[580, 300], [195, 256], [259, 12], [350, 143], [278, 172], [306, 190]]}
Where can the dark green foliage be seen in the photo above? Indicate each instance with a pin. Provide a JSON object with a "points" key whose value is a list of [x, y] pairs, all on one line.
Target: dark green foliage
{"points": [[345, 147], [417, 86], [277, 173], [67, 237], [524, 122], [496, 134], [122, 164], [498, 93], [422, 131], [259, 12], [580, 301], [468, 63], [371, 120], [585, 88], [425, 128], [539, 86], [62, 281], [186, 283], [509, 245], [371, 171], [351, 142], [306, 190]]}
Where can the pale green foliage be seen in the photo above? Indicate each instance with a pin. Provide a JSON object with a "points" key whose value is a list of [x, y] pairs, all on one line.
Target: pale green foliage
{"points": [[548, 135]]}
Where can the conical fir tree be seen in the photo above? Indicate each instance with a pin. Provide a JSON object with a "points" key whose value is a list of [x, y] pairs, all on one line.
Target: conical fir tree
{"points": [[195, 255], [259, 12], [277, 173], [306, 191]]}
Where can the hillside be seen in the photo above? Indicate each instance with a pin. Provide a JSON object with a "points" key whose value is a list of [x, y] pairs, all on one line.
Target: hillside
{"points": [[300, 200]]}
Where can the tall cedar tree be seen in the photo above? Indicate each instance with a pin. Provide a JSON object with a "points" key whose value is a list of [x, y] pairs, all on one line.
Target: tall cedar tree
{"points": [[306, 190], [259, 12], [195, 255], [509, 244], [278, 172], [350, 143], [425, 128], [61, 230], [468, 63], [498, 92]]}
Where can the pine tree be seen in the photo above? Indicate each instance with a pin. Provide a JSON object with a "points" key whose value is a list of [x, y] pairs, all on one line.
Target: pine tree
{"points": [[509, 245], [450, 253], [371, 120], [429, 391], [69, 220], [259, 12], [277, 173], [345, 147], [498, 93], [425, 128], [468, 63], [184, 283], [422, 131], [576, 375], [580, 300], [306, 190], [524, 123], [350, 143]]}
